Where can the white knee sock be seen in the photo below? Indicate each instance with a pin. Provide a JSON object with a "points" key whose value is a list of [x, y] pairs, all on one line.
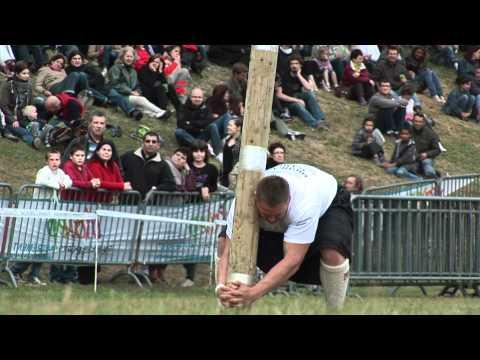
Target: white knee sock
{"points": [[335, 283]]}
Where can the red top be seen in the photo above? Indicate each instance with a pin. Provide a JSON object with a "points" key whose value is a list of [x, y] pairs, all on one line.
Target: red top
{"points": [[349, 80], [142, 58], [80, 178], [109, 175]]}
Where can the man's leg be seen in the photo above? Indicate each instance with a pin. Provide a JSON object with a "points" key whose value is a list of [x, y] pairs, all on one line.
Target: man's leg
{"points": [[214, 137], [22, 133], [403, 172], [302, 113], [428, 168], [183, 137], [334, 274], [73, 84], [222, 123], [121, 101], [384, 121]]}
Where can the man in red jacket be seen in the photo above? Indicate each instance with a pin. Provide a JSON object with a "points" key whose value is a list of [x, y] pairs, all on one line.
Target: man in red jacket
{"points": [[67, 107]]}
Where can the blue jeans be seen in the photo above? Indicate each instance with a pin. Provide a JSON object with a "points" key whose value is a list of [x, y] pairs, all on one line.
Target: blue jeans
{"points": [[465, 103], [210, 133], [120, 101], [73, 83], [403, 172], [445, 56], [222, 123], [98, 96], [109, 56], [431, 80], [311, 114], [27, 135], [428, 168], [390, 119], [21, 267], [477, 105]]}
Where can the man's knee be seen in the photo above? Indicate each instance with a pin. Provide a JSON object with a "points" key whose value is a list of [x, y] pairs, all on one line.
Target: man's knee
{"points": [[332, 257]]}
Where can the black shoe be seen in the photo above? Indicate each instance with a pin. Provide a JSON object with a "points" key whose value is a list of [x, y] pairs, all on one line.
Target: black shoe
{"points": [[166, 115], [37, 143], [7, 135], [137, 115]]}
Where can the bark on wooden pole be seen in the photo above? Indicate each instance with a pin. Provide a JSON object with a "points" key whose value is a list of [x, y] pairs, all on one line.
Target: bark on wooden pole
{"points": [[253, 158]]}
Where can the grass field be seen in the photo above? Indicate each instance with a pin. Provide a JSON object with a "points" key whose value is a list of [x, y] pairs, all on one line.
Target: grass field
{"points": [[126, 299]]}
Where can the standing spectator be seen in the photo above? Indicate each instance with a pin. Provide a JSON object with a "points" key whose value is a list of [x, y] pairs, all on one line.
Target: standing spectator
{"points": [[388, 111], [52, 79], [231, 149], [179, 171], [53, 177], [426, 144], [276, 156], [195, 121], [475, 91], [154, 85], [460, 102], [104, 166], [144, 169], [417, 67], [295, 92], [403, 162], [123, 79], [357, 79], [353, 184], [368, 142], [467, 66]]}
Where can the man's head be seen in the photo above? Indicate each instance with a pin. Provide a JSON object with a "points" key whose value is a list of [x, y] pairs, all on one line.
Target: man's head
{"points": [[151, 143], [353, 184], [52, 104], [77, 155], [419, 121], [97, 124], [272, 198], [405, 134], [197, 96], [53, 159], [179, 157], [295, 63], [240, 72], [385, 87], [368, 124], [392, 54], [464, 83], [277, 152]]}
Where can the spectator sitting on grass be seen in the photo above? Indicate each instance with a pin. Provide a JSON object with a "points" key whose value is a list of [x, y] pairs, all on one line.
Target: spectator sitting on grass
{"points": [[353, 184], [276, 155], [357, 79], [475, 91], [322, 71], [223, 106], [368, 142], [426, 144], [177, 75], [403, 162], [471, 61], [460, 102]]}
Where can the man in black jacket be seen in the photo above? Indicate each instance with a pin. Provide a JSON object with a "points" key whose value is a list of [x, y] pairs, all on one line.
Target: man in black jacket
{"points": [[427, 145], [195, 121], [144, 167]]}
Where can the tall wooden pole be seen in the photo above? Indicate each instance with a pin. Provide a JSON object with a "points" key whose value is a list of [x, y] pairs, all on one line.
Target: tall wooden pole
{"points": [[253, 158]]}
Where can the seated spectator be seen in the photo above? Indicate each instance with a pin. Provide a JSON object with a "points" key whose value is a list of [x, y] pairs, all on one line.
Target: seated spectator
{"points": [[195, 121], [475, 91], [52, 79], [227, 55], [3, 127], [193, 59], [357, 79], [123, 79], [53, 177], [445, 55], [371, 55], [353, 184], [154, 85], [424, 77], [205, 177], [388, 111], [368, 142], [178, 76], [467, 66], [322, 71], [223, 106], [403, 162], [97, 125], [104, 166], [338, 55], [276, 155], [66, 107], [29, 128], [427, 146], [142, 57], [460, 102], [144, 169], [237, 84], [295, 92], [284, 53], [231, 149]]}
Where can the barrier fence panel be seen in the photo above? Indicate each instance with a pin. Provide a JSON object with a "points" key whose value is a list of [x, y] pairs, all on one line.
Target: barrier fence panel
{"points": [[5, 202], [461, 186], [72, 241], [417, 188], [424, 240], [191, 239]]}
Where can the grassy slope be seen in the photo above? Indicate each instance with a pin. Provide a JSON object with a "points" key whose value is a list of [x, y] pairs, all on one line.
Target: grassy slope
{"points": [[328, 150]]}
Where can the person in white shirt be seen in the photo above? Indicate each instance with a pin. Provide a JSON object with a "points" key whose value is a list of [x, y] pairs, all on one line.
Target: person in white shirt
{"points": [[306, 227]]}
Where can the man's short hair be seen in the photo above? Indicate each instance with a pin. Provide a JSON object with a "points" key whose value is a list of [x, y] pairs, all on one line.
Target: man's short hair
{"points": [[367, 119], [97, 113], [52, 151], [462, 80], [182, 150], [77, 147], [384, 81], [407, 90], [273, 191], [296, 57], [239, 68], [392, 48], [151, 133], [356, 53]]}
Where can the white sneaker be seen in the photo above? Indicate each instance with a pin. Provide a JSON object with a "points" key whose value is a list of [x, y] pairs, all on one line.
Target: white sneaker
{"points": [[104, 72], [210, 150], [219, 157], [187, 283], [37, 281]]}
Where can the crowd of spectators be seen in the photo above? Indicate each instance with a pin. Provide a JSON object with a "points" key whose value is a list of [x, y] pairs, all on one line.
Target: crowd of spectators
{"points": [[47, 87]]}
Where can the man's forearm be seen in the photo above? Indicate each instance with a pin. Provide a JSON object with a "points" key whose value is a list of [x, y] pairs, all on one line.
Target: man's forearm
{"points": [[276, 277], [223, 263]]}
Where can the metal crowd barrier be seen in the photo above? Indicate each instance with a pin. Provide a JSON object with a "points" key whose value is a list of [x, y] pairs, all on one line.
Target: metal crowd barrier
{"points": [[73, 241], [5, 202], [461, 186], [416, 241]]}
